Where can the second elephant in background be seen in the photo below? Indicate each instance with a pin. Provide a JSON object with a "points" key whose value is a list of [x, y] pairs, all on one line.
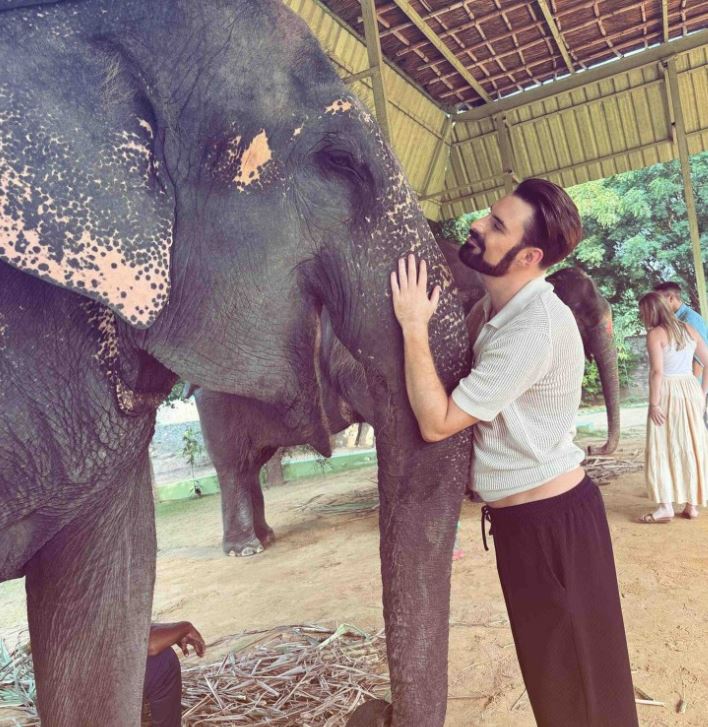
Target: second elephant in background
{"points": [[241, 435]]}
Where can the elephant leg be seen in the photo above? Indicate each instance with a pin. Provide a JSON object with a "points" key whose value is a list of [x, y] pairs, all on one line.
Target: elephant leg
{"points": [[238, 509], [263, 531], [417, 526], [89, 598]]}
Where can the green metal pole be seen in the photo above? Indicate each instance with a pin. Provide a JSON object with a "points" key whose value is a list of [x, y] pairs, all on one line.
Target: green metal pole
{"points": [[682, 143]]}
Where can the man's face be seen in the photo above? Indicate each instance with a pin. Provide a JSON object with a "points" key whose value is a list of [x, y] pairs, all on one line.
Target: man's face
{"points": [[672, 300], [494, 241]]}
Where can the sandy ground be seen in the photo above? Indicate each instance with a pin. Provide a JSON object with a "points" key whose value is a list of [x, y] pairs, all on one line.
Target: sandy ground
{"points": [[324, 569]]}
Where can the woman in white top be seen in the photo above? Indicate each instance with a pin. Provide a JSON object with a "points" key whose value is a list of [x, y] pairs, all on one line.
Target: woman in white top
{"points": [[676, 454]]}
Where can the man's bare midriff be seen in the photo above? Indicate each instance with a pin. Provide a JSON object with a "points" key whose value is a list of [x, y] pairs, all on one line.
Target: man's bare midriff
{"points": [[557, 486]]}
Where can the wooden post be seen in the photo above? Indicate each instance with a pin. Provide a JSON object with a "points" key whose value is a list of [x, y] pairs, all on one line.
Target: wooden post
{"points": [[373, 48], [682, 144]]}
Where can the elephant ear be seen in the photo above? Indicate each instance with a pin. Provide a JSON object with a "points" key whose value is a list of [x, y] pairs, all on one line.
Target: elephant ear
{"points": [[82, 201]]}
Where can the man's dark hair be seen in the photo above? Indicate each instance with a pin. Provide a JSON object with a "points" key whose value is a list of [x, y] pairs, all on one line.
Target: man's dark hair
{"points": [[555, 228], [668, 286]]}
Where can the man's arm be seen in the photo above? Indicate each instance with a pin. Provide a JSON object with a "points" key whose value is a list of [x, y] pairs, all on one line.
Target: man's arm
{"points": [[437, 414], [183, 633]]}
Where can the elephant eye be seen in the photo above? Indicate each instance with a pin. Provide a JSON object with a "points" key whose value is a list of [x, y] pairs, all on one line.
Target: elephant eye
{"points": [[335, 161]]}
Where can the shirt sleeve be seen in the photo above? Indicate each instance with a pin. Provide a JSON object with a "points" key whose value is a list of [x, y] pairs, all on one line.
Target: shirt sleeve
{"points": [[509, 366]]}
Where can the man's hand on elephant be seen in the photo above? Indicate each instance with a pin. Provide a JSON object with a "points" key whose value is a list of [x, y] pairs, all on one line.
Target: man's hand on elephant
{"points": [[192, 638], [409, 286]]}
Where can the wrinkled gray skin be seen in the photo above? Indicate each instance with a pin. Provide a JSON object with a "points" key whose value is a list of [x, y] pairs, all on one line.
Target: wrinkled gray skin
{"points": [[241, 435], [183, 187]]}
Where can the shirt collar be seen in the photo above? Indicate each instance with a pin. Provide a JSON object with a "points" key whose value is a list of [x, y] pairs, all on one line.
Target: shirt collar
{"points": [[683, 308], [533, 289]]}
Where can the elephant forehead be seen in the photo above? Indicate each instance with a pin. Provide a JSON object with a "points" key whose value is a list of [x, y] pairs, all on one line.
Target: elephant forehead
{"points": [[252, 159], [88, 219]]}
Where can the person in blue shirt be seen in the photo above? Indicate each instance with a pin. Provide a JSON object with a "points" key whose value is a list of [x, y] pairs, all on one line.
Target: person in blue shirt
{"points": [[671, 293]]}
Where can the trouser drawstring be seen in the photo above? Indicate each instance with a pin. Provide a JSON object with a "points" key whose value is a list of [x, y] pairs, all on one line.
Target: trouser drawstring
{"points": [[486, 517]]}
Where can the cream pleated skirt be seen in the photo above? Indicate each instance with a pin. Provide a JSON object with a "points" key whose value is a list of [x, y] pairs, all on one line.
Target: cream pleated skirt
{"points": [[676, 453]]}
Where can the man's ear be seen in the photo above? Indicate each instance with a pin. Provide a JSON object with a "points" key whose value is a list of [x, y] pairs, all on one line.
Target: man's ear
{"points": [[529, 256]]}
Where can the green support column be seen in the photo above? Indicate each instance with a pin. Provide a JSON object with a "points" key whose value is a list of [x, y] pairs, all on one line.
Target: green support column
{"points": [[682, 144]]}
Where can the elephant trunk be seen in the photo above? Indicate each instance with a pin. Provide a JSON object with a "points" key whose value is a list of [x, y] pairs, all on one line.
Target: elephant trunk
{"points": [[602, 347]]}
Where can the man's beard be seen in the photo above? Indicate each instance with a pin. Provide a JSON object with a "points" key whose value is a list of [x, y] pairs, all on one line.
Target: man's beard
{"points": [[475, 260]]}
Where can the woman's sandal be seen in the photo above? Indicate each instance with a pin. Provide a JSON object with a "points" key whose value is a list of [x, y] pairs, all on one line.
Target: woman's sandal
{"points": [[649, 519], [688, 515]]}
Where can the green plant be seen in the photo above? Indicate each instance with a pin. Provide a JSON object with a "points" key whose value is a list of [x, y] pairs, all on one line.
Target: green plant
{"points": [[174, 395], [592, 388], [190, 451]]}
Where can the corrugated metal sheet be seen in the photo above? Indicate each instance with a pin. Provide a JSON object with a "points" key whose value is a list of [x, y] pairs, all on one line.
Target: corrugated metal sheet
{"points": [[417, 123], [594, 131]]}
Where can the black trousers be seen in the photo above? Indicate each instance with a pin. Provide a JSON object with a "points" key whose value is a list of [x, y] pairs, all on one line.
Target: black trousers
{"points": [[557, 572], [163, 689]]}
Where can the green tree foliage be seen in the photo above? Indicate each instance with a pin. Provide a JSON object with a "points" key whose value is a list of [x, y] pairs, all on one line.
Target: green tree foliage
{"points": [[636, 233]]}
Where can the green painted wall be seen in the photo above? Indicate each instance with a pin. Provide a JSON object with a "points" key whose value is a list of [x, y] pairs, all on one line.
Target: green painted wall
{"points": [[293, 469]]}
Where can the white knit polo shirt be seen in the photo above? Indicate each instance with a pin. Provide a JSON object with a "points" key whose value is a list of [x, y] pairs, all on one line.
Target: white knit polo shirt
{"points": [[524, 388]]}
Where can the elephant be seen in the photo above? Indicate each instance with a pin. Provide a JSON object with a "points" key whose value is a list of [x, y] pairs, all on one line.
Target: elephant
{"points": [[241, 435], [184, 188], [594, 316]]}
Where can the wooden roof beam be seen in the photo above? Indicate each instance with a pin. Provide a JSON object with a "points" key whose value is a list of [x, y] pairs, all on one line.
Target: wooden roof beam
{"points": [[555, 32], [443, 49], [598, 73]]}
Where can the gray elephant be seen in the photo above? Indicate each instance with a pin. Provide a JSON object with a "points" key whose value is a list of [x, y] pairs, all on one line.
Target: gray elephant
{"points": [[594, 316], [241, 435], [183, 188]]}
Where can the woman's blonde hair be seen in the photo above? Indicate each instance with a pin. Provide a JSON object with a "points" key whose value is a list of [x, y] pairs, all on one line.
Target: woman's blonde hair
{"points": [[654, 312]]}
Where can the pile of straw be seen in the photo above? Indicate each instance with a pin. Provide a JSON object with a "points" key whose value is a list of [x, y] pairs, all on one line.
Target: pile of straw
{"points": [[603, 468], [17, 687], [309, 676], [291, 675], [357, 503]]}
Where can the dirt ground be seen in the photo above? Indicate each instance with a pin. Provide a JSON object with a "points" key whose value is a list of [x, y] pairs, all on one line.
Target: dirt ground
{"points": [[325, 569]]}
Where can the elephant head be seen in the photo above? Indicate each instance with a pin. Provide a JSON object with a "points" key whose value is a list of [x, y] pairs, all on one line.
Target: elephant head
{"points": [[196, 179]]}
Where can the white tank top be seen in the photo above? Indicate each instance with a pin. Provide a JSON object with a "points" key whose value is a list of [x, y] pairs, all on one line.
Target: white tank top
{"points": [[679, 361]]}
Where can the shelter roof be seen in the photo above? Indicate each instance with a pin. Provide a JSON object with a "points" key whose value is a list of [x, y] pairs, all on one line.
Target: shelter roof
{"points": [[506, 46]]}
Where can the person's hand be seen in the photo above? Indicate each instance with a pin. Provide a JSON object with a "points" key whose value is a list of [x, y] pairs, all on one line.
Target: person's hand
{"points": [[409, 287], [192, 638], [657, 416]]}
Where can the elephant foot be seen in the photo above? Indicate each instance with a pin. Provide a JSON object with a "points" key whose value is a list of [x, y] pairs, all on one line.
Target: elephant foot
{"points": [[243, 549], [267, 536], [377, 713], [606, 448]]}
